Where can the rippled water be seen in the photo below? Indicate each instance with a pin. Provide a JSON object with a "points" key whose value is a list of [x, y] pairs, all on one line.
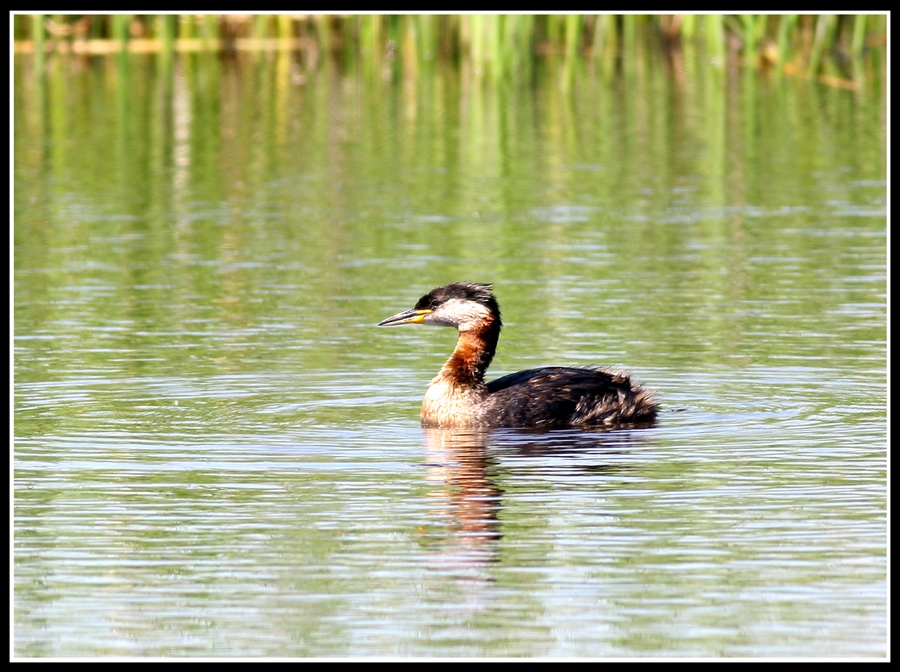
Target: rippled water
{"points": [[739, 524], [218, 454]]}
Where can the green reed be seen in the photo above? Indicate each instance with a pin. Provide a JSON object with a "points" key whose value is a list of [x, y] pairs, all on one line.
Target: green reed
{"points": [[495, 45]]}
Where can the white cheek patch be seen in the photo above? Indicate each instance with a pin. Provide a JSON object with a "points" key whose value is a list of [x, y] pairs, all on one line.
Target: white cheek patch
{"points": [[465, 315]]}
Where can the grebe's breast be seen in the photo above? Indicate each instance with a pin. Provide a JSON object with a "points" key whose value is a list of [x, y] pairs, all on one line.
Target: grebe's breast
{"points": [[448, 404]]}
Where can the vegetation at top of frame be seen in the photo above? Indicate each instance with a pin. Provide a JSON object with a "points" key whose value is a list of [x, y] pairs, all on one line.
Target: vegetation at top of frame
{"points": [[495, 43]]}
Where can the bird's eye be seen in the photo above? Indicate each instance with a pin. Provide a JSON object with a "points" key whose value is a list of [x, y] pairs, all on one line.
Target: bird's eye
{"points": [[435, 303]]}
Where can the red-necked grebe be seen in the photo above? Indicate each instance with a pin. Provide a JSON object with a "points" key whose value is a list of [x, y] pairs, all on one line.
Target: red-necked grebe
{"points": [[552, 396]]}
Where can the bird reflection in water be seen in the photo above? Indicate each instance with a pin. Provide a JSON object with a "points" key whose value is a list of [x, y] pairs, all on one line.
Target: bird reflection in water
{"points": [[464, 469], [458, 463]]}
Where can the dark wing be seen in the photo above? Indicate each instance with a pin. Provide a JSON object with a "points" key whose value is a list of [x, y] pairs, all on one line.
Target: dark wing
{"points": [[566, 396]]}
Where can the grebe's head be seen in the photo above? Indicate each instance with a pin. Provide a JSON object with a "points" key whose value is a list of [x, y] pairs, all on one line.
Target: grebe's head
{"points": [[464, 305]]}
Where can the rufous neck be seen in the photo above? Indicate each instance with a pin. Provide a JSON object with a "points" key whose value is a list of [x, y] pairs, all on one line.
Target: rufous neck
{"points": [[472, 356]]}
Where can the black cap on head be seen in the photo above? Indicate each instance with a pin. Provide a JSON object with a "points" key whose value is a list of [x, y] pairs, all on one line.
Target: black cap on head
{"points": [[463, 291]]}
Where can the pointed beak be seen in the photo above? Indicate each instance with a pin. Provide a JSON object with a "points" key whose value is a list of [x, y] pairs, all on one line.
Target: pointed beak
{"points": [[411, 316]]}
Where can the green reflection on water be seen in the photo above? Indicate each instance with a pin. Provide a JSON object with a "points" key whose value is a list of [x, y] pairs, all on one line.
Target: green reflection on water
{"points": [[225, 217], [217, 200]]}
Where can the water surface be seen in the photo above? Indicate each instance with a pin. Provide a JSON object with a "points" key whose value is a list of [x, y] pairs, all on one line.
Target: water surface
{"points": [[218, 454]]}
